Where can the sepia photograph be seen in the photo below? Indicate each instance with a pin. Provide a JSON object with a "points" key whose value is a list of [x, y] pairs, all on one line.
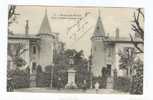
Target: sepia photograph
{"points": [[75, 49]]}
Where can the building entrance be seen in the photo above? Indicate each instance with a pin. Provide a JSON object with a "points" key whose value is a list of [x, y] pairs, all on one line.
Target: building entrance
{"points": [[109, 69]]}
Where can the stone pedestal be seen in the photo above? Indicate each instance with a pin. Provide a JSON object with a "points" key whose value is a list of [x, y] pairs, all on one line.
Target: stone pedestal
{"points": [[33, 79], [71, 79], [109, 84]]}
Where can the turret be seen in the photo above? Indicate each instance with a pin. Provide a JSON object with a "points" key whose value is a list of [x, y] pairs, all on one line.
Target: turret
{"points": [[47, 42], [98, 48]]}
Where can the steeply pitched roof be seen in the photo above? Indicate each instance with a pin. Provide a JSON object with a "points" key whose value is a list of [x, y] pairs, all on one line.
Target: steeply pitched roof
{"points": [[45, 26], [22, 36], [119, 40], [99, 29]]}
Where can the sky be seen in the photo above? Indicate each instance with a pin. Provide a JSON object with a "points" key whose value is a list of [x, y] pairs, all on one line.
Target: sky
{"points": [[75, 25]]}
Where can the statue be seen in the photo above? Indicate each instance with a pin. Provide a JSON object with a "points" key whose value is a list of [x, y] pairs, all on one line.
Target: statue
{"points": [[71, 61], [71, 75]]}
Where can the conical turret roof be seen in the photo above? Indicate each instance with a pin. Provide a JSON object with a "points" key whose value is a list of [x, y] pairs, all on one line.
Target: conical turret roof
{"points": [[45, 26], [99, 29]]}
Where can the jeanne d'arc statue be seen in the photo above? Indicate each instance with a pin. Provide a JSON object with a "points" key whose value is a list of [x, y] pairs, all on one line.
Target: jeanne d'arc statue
{"points": [[71, 74], [71, 61]]}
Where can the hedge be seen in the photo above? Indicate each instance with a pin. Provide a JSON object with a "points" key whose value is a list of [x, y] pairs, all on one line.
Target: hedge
{"points": [[21, 79], [122, 84], [43, 79]]}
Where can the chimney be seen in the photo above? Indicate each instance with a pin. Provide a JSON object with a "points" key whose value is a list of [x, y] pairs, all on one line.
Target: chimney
{"points": [[27, 27], [117, 33]]}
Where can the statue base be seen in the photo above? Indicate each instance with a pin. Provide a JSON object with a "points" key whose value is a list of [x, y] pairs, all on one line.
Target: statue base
{"points": [[71, 86], [33, 79], [71, 79]]}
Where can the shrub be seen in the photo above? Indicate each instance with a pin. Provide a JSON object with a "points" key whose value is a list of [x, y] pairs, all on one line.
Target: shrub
{"points": [[137, 80], [21, 79], [39, 69], [122, 84], [43, 79], [48, 69]]}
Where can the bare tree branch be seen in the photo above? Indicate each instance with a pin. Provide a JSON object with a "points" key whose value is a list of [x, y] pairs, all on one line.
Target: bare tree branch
{"points": [[137, 28], [136, 44], [141, 13], [11, 12]]}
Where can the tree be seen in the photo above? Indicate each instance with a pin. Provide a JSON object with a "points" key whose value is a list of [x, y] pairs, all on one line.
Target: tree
{"points": [[61, 62], [18, 60], [15, 51], [134, 67], [127, 57], [11, 11], [137, 27], [137, 80], [11, 16], [16, 54]]}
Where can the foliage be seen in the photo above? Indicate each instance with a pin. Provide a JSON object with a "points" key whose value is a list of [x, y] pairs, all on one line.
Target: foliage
{"points": [[39, 69], [137, 80], [136, 72], [42, 79], [122, 84], [127, 57], [19, 49], [48, 69], [61, 66], [19, 61], [21, 78], [128, 61], [137, 27]]}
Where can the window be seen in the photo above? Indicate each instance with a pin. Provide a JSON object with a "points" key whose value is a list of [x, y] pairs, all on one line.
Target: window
{"points": [[34, 49]]}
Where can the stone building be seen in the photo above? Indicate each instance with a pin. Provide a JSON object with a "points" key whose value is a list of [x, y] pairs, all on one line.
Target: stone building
{"points": [[105, 50], [38, 49]]}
